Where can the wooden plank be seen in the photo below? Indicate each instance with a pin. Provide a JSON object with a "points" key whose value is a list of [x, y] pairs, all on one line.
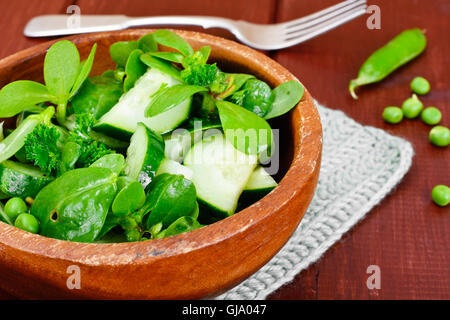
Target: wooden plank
{"points": [[406, 234]]}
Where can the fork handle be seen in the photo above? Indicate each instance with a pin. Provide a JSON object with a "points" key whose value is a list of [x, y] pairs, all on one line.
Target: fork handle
{"points": [[203, 21]]}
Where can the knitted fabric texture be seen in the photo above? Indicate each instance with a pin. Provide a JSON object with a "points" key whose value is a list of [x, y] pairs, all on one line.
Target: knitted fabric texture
{"points": [[360, 165]]}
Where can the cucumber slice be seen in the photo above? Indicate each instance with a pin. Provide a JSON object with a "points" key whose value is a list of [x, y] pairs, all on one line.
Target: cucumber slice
{"points": [[179, 141], [220, 174], [258, 186], [121, 121], [21, 180], [174, 167], [144, 155], [260, 180]]}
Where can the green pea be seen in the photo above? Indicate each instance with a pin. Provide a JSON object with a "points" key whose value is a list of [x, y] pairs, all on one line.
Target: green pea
{"points": [[440, 136], [27, 222], [393, 115], [412, 107], [14, 207], [441, 195], [420, 85], [431, 116]]}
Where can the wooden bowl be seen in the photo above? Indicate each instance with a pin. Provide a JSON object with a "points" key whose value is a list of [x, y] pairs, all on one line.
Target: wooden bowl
{"points": [[201, 263]]}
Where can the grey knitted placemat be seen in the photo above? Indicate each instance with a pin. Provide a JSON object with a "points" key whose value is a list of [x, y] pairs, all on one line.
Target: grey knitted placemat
{"points": [[360, 165]]}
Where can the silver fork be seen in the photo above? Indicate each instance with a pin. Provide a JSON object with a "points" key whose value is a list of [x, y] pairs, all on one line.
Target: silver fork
{"points": [[260, 36]]}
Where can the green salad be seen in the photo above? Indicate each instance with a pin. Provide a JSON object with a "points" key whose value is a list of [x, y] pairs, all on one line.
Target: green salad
{"points": [[163, 144]]}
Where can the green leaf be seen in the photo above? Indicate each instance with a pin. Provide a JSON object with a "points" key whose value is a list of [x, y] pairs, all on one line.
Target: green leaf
{"points": [[134, 69], [287, 96], [74, 206], [61, 68], [172, 40], [248, 132], [258, 97], [131, 196], [70, 153], [20, 95], [169, 56], [84, 72], [205, 51], [181, 225], [237, 81], [161, 65], [147, 43], [97, 95], [171, 197], [120, 51], [170, 97], [114, 161]]}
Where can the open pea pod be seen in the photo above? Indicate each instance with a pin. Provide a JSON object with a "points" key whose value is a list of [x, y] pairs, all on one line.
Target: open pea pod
{"points": [[74, 206]]}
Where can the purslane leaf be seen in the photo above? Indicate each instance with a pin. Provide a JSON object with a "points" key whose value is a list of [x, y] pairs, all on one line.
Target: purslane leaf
{"points": [[172, 40], [147, 43], [84, 71], [120, 51], [133, 69], [170, 97], [169, 56], [248, 132], [287, 95], [19, 95], [205, 52], [161, 65], [61, 68]]}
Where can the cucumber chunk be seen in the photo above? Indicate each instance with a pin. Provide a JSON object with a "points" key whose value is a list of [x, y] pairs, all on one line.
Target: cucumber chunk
{"points": [[179, 141], [144, 155], [121, 121], [174, 167], [260, 180], [21, 180], [220, 174], [258, 186]]}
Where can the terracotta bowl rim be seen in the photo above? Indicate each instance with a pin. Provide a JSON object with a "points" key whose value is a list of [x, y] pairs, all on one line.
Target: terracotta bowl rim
{"points": [[183, 243]]}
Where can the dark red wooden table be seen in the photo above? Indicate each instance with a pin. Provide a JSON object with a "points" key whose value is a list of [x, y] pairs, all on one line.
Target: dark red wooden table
{"points": [[407, 236]]}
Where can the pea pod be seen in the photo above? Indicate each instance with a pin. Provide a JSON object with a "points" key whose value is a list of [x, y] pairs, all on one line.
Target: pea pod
{"points": [[15, 141], [400, 50], [3, 216], [74, 206]]}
